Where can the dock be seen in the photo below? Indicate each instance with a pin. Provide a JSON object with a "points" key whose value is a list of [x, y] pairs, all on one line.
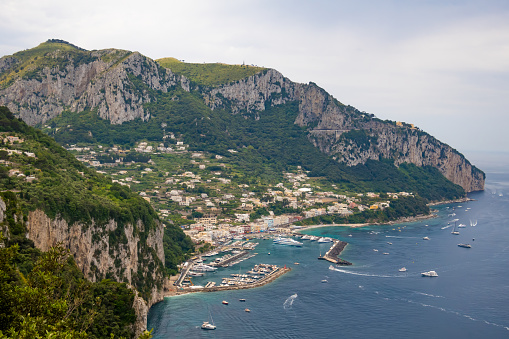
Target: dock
{"points": [[261, 282], [333, 253]]}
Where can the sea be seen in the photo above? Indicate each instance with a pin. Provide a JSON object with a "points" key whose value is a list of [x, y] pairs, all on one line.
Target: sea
{"points": [[371, 298]]}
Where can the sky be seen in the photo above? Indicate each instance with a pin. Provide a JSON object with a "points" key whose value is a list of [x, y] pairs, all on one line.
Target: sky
{"points": [[442, 65]]}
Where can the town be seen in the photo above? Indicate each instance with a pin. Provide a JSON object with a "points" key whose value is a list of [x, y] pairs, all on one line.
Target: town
{"points": [[205, 195]]}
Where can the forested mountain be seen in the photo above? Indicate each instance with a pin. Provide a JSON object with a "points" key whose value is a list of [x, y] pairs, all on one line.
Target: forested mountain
{"points": [[121, 97], [48, 198]]}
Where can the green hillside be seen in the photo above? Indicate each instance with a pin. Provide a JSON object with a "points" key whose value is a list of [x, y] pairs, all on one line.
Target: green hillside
{"points": [[266, 146], [211, 75], [40, 174]]}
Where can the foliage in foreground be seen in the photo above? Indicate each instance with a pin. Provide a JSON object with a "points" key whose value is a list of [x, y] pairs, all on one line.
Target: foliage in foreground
{"points": [[54, 300]]}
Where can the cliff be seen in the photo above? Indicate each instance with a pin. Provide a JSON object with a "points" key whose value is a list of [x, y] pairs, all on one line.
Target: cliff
{"points": [[98, 259], [41, 83], [111, 232], [329, 122]]}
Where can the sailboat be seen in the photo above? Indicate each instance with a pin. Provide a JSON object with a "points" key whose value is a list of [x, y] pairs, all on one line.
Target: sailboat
{"points": [[454, 229], [208, 326]]}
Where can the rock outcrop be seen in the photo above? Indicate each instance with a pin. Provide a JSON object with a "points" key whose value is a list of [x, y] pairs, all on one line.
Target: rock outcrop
{"points": [[98, 257], [328, 122], [114, 82], [118, 83]]}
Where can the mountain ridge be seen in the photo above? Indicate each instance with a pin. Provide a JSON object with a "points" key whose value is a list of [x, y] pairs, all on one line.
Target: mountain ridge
{"points": [[120, 86]]}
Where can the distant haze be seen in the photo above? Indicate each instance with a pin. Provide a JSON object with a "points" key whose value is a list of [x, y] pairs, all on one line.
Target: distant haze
{"points": [[442, 65]]}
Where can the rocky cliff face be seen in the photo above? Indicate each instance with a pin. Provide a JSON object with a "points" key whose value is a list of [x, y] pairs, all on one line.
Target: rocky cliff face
{"points": [[98, 258], [108, 81], [329, 122], [116, 84]]}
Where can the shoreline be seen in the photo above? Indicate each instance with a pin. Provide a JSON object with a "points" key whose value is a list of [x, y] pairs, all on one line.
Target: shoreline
{"points": [[393, 222]]}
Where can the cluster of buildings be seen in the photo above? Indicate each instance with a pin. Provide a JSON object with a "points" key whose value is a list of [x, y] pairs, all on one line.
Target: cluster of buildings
{"points": [[228, 208]]}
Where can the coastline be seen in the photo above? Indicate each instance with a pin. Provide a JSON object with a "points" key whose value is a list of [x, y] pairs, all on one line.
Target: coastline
{"points": [[393, 222]]}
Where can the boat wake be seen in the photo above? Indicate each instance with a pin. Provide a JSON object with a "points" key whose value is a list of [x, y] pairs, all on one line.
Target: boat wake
{"points": [[456, 313], [332, 268], [289, 301], [429, 295], [443, 228], [398, 237]]}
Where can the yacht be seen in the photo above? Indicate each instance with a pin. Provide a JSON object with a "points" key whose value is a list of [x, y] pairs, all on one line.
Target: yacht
{"points": [[462, 226], [429, 274], [287, 241], [323, 240], [402, 269], [208, 326], [425, 238], [203, 267], [465, 245]]}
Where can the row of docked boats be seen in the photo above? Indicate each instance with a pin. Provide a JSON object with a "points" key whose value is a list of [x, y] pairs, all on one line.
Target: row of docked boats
{"points": [[315, 238], [287, 241]]}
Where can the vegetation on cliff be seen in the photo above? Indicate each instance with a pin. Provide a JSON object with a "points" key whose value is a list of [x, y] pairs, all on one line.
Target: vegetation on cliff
{"points": [[37, 173], [265, 145], [53, 300], [211, 75]]}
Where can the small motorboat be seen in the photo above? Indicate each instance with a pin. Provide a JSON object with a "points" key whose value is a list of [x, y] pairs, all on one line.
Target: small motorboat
{"points": [[296, 263], [429, 274], [402, 269], [465, 245], [325, 281], [425, 238], [242, 299], [247, 310], [225, 302]]}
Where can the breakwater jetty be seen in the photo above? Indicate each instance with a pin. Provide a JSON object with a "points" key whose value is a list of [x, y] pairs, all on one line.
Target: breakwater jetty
{"points": [[333, 253]]}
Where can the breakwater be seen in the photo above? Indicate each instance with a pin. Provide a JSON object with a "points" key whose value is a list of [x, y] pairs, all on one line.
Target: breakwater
{"points": [[333, 253]]}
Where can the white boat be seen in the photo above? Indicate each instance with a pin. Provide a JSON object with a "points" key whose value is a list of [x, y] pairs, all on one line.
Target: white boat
{"points": [[287, 241], [202, 267], [425, 238], [208, 326], [325, 281], [306, 237], [429, 274], [324, 240], [462, 226], [402, 269]]}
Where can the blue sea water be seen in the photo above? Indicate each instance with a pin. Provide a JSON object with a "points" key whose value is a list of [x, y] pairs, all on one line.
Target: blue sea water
{"points": [[469, 299]]}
